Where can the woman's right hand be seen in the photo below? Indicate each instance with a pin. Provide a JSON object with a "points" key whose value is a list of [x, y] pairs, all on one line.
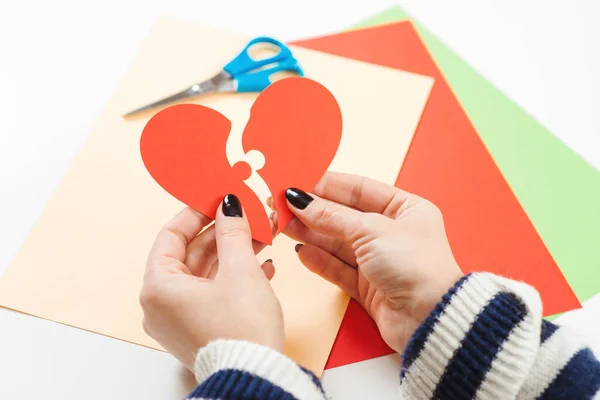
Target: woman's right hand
{"points": [[385, 247]]}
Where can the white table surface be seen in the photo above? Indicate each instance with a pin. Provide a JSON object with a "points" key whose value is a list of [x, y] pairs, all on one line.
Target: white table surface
{"points": [[61, 60]]}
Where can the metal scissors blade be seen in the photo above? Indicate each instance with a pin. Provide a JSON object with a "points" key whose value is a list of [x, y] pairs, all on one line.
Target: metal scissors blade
{"points": [[211, 85], [176, 97]]}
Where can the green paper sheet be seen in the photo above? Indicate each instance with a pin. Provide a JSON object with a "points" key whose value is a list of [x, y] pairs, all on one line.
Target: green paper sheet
{"points": [[559, 191]]}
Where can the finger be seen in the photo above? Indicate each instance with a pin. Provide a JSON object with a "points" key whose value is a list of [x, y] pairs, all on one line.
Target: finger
{"points": [[202, 251], [234, 241], [337, 247], [362, 193], [330, 268], [326, 216], [212, 270], [268, 268], [173, 238]]}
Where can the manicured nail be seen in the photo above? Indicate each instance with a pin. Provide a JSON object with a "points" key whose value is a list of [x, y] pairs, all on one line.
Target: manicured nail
{"points": [[299, 198], [232, 206], [270, 260], [297, 247]]}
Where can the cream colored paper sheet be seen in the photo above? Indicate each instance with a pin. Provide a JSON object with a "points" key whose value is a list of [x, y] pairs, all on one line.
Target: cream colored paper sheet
{"points": [[82, 263]]}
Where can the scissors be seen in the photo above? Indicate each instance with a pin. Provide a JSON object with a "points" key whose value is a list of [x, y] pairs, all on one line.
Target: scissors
{"points": [[242, 74]]}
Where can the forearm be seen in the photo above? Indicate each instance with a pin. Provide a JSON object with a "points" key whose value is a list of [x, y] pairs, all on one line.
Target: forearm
{"points": [[232, 369], [486, 339]]}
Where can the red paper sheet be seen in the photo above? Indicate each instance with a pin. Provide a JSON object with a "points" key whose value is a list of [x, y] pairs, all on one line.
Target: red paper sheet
{"points": [[449, 165]]}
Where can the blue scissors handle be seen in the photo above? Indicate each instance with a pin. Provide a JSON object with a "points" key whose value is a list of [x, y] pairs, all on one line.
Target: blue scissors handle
{"points": [[246, 70], [259, 80], [243, 63]]}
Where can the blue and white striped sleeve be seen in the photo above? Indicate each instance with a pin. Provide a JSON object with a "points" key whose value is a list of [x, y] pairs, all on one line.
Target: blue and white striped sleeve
{"points": [[240, 370], [486, 339]]}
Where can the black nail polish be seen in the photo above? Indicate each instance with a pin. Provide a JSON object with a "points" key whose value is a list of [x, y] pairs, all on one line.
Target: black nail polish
{"points": [[299, 198], [232, 206], [270, 260], [297, 247]]}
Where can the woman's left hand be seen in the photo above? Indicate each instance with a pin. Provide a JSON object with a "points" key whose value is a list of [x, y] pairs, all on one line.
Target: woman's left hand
{"points": [[204, 286]]}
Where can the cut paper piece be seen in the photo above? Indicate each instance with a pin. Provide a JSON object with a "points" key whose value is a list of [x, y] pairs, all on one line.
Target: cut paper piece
{"points": [[82, 263], [187, 143], [296, 124], [558, 190], [449, 165]]}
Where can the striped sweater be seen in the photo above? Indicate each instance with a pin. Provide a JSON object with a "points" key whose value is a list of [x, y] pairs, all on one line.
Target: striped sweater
{"points": [[485, 340]]}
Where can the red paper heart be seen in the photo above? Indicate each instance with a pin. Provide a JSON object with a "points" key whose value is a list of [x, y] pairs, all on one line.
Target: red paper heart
{"points": [[296, 123]]}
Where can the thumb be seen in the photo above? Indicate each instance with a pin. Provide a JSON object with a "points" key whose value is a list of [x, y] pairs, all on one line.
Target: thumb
{"points": [[234, 240], [326, 216]]}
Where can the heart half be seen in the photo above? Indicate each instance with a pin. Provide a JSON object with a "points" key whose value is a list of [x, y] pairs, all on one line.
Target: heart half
{"points": [[297, 124]]}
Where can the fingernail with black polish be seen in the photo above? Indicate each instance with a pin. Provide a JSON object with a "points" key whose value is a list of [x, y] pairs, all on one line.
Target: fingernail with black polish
{"points": [[270, 260], [232, 206], [297, 247], [299, 198]]}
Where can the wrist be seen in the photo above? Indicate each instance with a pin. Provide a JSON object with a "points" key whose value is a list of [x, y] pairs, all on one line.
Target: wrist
{"points": [[431, 292]]}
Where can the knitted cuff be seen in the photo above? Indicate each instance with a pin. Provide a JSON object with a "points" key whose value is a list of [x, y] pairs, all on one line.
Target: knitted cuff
{"points": [[225, 367], [480, 340]]}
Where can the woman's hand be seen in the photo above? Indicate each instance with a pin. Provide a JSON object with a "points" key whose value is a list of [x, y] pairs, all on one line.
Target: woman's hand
{"points": [[204, 286], [386, 248]]}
